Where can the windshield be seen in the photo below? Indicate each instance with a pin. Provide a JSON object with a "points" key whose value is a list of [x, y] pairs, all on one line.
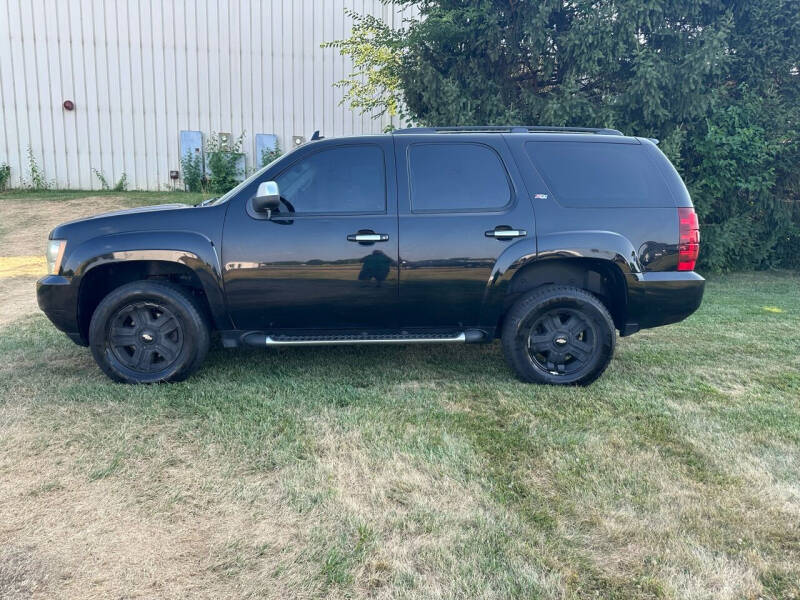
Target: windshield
{"points": [[228, 195]]}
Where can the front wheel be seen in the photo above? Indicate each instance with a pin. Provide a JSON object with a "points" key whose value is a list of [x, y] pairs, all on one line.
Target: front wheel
{"points": [[148, 331], [558, 335]]}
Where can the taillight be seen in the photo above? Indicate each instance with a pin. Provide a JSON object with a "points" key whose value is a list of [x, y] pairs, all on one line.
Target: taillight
{"points": [[688, 239]]}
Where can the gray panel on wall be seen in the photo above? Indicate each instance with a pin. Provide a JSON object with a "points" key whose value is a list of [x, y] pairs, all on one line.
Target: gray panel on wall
{"points": [[265, 143], [191, 142]]}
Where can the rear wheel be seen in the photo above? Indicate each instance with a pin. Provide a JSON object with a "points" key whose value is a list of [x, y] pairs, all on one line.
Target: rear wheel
{"points": [[558, 335], [146, 332]]}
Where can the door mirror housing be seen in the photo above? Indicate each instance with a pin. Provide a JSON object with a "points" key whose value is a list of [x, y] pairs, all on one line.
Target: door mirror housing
{"points": [[267, 198]]}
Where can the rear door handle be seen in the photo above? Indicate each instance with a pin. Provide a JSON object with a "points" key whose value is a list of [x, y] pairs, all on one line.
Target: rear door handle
{"points": [[368, 237], [505, 234]]}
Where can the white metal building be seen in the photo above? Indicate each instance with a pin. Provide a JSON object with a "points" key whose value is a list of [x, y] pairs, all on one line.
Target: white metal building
{"points": [[138, 72]]}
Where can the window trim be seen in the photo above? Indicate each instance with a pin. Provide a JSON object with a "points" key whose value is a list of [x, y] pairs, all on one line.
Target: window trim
{"points": [[512, 191], [327, 148]]}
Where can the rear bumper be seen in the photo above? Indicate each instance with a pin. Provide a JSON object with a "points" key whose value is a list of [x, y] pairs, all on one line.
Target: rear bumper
{"points": [[661, 298], [58, 299]]}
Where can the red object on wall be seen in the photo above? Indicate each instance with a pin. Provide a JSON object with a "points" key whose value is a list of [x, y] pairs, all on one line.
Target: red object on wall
{"points": [[69, 105]]}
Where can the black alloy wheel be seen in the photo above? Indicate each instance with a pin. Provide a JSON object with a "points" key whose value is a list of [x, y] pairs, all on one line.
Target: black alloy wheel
{"points": [[562, 341], [149, 331], [145, 336], [558, 335]]}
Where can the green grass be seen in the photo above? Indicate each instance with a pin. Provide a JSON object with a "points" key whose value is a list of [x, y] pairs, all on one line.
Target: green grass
{"points": [[132, 198], [420, 472]]}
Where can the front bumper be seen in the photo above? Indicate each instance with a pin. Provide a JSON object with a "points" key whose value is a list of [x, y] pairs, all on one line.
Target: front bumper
{"points": [[663, 297], [58, 299]]}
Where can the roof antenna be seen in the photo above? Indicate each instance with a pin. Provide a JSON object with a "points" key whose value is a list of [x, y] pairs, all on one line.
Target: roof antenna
{"points": [[317, 136]]}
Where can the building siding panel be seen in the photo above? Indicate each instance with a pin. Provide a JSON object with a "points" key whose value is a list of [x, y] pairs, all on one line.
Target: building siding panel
{"points": [[140, 71]]}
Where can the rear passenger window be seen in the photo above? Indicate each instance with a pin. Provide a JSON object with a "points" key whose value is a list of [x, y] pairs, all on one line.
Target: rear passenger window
{"points": [[456, 177], [596, 174]]}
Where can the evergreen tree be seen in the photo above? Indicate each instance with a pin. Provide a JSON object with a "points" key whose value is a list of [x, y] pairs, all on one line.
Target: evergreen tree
{"points": [[717, 81]]}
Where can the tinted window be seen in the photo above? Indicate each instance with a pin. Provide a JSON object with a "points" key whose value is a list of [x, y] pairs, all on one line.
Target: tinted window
{"points": [[344, 179], [445, 177], [599, 174]]}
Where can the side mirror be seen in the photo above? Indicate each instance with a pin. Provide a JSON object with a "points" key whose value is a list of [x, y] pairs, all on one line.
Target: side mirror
{"points": [[267, 198]]}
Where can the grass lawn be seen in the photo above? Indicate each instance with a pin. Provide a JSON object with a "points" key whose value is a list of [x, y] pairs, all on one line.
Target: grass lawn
{"points": [[131, 198], [413, 472]]}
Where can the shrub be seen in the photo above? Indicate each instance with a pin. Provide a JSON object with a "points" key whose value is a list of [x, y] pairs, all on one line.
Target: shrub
{"points": [[120, 186], [192, 172], [740, 170], [38, 179], [223, 163], [267, 156], [5, 175]]}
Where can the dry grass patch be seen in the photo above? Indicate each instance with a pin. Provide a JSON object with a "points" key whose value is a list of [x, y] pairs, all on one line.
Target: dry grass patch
{"points": [[19, 299], [25, 573], [166, 521], [25, 224]]}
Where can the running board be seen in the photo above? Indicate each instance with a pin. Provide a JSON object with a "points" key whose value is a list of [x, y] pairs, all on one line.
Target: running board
{"points": [[260, 339]]}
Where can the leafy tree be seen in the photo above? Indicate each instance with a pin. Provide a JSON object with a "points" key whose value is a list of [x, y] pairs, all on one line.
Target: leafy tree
{"points": [[376, 50], [741, 161], [716, 80]]}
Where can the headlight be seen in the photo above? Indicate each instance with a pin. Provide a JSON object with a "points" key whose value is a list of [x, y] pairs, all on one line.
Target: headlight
{"points": [[54, 253]]}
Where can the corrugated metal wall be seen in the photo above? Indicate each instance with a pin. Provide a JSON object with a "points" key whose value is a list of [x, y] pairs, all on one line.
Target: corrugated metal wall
{"points": [[140, 71]]}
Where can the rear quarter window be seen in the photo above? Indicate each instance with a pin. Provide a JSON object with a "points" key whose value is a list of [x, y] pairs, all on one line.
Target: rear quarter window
{"points": [[600, 175]]}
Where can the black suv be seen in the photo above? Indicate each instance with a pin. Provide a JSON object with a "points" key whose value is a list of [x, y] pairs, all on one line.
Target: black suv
{"points": [[547, 238]]}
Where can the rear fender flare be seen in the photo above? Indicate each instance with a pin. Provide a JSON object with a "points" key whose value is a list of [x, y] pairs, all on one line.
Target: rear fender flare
{"points": [[603, 245]]}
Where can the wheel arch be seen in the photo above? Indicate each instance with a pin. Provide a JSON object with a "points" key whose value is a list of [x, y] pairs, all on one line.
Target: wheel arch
{"points": [[188, 259], [601, 277], [598, 261]]}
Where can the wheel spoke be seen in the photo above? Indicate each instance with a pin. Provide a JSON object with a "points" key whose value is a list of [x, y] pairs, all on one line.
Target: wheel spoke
{"points": [[168, 349], [167, 353], [552, 323], [579, 350], [145, 314], [140, 316], [123, 337], [575, 325], [166, 323], [142, 358], [123, 315], [539, 342]]}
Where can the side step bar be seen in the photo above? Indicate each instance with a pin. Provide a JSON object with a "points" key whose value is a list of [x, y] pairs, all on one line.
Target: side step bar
{"points": [[261, 339]]}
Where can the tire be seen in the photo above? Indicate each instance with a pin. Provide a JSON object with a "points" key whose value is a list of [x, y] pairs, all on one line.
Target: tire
{"points": [[167, 333], [558, 335]]}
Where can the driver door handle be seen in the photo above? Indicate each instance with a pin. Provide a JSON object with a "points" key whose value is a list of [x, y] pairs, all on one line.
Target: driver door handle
{"points": [[505, 234], [368, 237]]}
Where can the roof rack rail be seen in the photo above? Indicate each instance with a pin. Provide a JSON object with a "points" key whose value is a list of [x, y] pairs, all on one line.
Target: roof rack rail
{"points": [[508, 129]]}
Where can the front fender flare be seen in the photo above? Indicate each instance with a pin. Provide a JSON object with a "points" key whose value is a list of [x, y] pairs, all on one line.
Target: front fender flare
{"points": [[193, 250]]}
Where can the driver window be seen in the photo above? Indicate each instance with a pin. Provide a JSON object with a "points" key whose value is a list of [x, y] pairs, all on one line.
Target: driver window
{"points": [[344, 179]]}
